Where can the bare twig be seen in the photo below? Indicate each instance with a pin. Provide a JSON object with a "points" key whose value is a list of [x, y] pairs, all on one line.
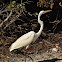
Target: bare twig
{"points": [[6, 19], [14, 19], [54, 27], [4, 10], [21, 3], [56, 22], [28, 2]]}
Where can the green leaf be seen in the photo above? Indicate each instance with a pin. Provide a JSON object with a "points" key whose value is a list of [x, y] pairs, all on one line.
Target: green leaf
{"points": [[0, 42], [35, 14], [12, 6], [13, 2]]}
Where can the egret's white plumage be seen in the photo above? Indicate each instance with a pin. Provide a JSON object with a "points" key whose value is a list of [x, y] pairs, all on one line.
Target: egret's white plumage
{"points": [[24, 40], [29, 37]]}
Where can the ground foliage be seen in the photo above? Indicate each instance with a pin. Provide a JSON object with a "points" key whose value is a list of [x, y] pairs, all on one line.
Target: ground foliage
{"points": [[20, 17]]}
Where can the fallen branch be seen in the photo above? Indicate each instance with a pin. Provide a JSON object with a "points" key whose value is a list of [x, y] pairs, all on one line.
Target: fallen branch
{"points": [[47, 42]]}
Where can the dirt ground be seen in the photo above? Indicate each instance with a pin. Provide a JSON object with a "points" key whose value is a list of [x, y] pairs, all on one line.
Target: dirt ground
{"points": [[48, 49]]}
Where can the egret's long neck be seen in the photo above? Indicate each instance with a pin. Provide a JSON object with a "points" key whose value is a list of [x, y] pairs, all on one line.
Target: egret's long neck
{"points": [[41, 25]]}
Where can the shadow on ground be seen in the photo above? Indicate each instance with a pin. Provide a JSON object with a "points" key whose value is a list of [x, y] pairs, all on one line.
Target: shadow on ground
{"points": [[51, 60]]}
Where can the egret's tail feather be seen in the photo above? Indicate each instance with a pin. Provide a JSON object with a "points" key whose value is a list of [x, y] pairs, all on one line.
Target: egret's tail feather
{"points": [[10, 48]]}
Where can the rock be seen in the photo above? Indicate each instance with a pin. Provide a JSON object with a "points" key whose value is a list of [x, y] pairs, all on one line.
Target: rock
{"points": [[54, 49]]}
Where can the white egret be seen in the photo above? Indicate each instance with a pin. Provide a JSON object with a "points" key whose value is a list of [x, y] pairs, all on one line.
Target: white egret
{"points": [[29, 37]]}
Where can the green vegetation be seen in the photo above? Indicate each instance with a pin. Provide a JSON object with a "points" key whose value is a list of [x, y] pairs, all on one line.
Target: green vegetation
{"points": [[13, 4], [0, 42]]}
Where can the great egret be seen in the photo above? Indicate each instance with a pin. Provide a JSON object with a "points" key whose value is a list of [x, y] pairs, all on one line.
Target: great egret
{"points": [[29, 37]]}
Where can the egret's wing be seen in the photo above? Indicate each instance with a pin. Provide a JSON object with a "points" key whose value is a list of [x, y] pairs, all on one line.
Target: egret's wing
{"points": [[24, 40]]}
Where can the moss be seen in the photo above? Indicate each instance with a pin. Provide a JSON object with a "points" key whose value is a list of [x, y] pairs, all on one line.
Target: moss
{"points": [[61, 54], [49, 55]]}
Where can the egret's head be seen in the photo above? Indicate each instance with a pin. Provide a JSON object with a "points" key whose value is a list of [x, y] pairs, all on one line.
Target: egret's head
{"points": [[43, 12]]}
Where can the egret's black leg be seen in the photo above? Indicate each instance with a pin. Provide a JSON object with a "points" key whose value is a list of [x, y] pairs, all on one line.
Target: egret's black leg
{"points": [[25, 55]]}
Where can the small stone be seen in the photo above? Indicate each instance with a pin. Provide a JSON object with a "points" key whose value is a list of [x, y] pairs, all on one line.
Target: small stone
{"points": [[8, 57], [54, 49]]}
